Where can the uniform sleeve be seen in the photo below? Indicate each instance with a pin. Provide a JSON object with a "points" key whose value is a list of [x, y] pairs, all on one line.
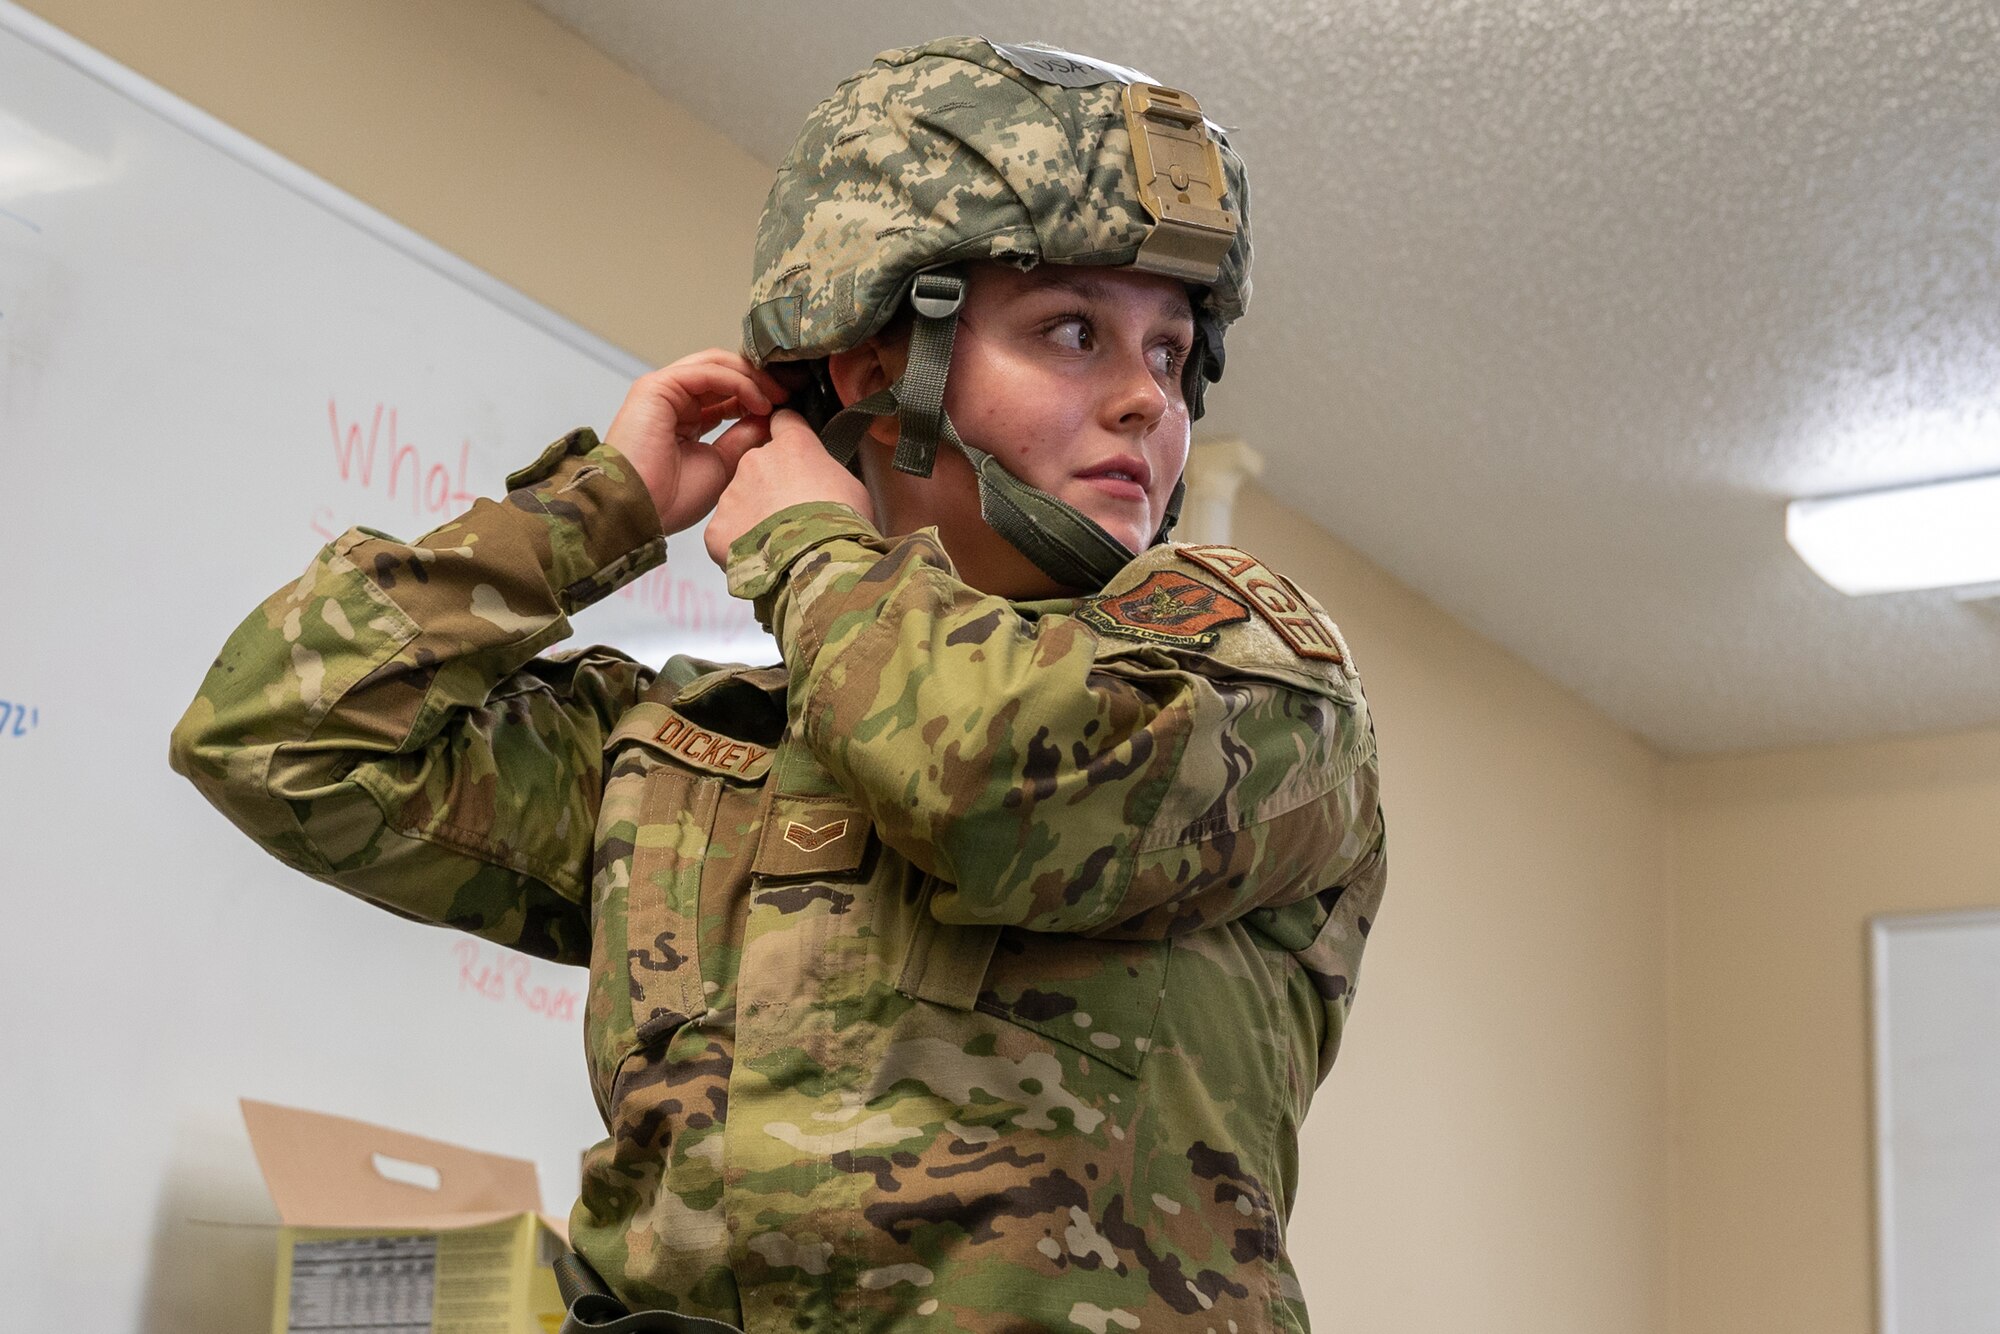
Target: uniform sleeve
{"points": [[383, 722], [1055, 778]]}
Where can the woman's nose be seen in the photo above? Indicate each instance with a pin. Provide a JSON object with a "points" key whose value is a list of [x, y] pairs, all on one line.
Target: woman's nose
{"points": [[1138, 400]]}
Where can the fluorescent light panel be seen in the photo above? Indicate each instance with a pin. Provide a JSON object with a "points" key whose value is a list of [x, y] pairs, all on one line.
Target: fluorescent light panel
{"points": [[1938, 535]]}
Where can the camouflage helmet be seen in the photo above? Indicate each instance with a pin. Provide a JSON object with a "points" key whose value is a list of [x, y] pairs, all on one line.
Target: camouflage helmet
{"points": [[964, 149]]}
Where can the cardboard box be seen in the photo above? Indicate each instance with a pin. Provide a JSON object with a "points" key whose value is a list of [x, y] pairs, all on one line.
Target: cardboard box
{"points": [[390, 1233]]}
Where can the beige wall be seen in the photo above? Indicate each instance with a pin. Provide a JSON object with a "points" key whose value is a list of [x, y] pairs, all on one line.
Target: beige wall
{"points": [[1490, 1153], [1781, 859]]}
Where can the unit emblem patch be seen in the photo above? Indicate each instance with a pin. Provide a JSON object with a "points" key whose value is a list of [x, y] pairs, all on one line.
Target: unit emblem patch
{"points": [[1168, 608], [1309, 634]]}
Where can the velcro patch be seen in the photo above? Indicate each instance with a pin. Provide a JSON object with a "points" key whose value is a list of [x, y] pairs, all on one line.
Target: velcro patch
{"points": [[811, 836], [712, 750], [1067, 68], [1168, 608], [1309, 634]]}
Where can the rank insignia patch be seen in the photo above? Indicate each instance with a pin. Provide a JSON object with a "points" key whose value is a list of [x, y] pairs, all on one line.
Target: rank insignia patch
{"points": [[1168, 608], [806, 838]]}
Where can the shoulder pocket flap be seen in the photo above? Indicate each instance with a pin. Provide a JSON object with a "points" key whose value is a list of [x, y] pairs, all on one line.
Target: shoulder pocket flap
{"points": [[812, 836]]}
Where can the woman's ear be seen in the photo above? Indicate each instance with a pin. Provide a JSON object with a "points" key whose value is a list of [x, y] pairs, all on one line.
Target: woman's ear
{"points": [[864, 369]]}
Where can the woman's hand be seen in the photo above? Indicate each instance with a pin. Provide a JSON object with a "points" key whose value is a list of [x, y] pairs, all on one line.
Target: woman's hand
{"points": [[791, 469], [660, 425]]}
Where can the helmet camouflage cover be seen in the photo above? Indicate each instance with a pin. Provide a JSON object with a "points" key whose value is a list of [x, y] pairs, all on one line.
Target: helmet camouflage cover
{"points": [[947, 152], [963, 149]]}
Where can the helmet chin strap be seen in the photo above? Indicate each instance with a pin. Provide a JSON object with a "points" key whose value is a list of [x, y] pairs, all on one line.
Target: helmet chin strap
{"points": [[1061, 541]]}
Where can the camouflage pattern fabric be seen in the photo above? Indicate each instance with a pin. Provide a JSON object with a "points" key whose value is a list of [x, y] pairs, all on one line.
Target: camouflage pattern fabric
{"points": [[939, 154], [972, 970]]}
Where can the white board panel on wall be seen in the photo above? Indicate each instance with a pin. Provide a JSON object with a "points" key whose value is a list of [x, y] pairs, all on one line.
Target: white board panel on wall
{"points": [[1937, 1121], [211, 362]]}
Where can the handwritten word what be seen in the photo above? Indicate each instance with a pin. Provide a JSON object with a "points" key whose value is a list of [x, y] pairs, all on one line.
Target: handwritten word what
{"points": [[395, 468]]}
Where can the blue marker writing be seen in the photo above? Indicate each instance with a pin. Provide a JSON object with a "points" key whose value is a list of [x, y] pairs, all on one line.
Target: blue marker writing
{"points": [[18, 719]]}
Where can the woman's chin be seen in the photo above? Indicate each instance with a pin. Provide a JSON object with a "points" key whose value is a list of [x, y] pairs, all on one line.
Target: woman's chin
{"points": [[1134, 538], [1122, 522]]}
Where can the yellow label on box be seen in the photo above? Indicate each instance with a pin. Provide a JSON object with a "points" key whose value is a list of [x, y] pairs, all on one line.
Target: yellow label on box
{"points": [[477, 1280]]}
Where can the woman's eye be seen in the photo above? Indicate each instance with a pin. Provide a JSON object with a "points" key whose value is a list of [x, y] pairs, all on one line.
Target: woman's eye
{"points": [[1167, 358], [1072, 332]]}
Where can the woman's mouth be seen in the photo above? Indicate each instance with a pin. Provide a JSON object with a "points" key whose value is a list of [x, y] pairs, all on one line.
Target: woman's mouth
{"points": [[1125, 477]]}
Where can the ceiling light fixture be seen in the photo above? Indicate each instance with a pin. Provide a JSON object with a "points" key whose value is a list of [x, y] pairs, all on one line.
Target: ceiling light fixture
{"points": [[1937, 535]]}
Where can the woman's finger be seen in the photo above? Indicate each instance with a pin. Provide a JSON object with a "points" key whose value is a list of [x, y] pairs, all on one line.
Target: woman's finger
{"points": [[685, 386], [721, 407], [747, 434], [774, 391]]}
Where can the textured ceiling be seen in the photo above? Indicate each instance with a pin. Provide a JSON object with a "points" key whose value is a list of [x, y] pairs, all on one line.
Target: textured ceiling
{"points": [[1557, 304]]}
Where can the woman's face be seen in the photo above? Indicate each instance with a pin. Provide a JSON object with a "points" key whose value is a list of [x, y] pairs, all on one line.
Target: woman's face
{"points": [[1071, 377]]}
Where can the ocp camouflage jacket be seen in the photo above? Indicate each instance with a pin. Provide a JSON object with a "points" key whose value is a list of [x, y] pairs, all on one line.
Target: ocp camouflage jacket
{"points": [[972, 970]]}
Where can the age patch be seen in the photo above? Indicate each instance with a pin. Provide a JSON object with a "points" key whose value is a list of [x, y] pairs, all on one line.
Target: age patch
{"points": [[1309, 634], [1168, 608]]}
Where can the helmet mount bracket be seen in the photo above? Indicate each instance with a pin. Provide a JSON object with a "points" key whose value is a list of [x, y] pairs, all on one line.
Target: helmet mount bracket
{"points": [[1181, 183]]}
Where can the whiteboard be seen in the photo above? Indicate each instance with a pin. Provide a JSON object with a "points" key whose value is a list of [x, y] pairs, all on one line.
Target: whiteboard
{"points": [[210, 362], [1937, 1121]]}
